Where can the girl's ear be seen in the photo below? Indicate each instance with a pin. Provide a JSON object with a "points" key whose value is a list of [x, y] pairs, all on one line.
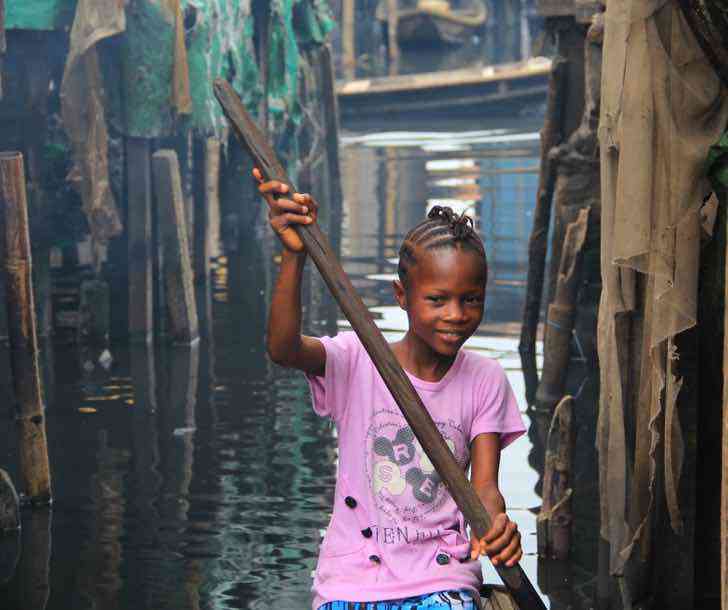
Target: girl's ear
{"points": [[400, 294]]}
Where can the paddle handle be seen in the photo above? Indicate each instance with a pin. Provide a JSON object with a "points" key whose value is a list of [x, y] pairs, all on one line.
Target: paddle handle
{"points": [[394, 377]]}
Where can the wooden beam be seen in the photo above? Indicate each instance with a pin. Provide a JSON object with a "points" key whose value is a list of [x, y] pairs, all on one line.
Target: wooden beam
{"points": [[35, 476], [394, 377]]}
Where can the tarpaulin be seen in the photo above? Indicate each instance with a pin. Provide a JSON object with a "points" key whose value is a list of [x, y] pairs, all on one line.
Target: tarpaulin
{"points": [[155, 74], [220, 45], [82, 107], [662, 108]]}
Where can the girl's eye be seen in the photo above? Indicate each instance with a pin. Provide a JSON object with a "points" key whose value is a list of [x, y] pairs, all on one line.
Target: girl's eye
{"points": [[474, 300], [436, 299]]}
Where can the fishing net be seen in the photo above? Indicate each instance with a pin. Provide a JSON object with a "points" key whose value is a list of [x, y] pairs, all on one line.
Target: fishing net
{"points": [[708, 19]]}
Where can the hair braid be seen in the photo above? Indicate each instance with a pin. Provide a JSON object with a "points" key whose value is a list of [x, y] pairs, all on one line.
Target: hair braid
{"points": [[442, 228]]}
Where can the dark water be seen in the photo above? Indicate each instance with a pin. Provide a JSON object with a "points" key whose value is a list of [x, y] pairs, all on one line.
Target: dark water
{"points": [[200, 478]]}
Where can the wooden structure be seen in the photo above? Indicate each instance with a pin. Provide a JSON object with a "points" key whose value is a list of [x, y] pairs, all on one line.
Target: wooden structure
{"points": [[466, 90]]}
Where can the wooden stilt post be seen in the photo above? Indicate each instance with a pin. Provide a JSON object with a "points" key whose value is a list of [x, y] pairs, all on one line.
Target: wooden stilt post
{"points": [[9, 504], [177, 269], [392, 42], [724, 474], [34, 467], [348, 41], [203, 281], [212, 193], [554, 520], [330, 112], [139, 227]]}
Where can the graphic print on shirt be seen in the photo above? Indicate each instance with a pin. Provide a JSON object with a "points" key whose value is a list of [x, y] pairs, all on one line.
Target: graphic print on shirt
{"points": [[405, 485]]}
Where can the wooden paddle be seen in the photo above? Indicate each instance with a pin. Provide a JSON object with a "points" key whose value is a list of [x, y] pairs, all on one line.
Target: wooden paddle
{"points": [[394, 377]]}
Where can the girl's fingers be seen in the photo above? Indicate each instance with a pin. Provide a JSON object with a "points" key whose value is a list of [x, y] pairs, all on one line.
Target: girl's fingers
{"points": [[273, 187], [497, 528], [282, 222], [514, 560], [280, 206], [475, 548], [257, 174], [497, 545], [507, 554]]}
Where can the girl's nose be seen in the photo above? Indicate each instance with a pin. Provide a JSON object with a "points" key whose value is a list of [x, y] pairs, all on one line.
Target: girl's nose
{"points": [[455, 312]]}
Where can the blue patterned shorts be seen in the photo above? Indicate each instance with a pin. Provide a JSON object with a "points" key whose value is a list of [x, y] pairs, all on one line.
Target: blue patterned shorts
{"points": [[444, 600]]}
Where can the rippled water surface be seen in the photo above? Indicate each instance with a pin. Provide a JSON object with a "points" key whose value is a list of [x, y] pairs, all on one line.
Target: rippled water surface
{"points": [[200, 478]]}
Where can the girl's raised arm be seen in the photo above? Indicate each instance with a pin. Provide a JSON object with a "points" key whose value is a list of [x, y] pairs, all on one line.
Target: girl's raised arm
{"points": [[503, 542], [286, 345]]}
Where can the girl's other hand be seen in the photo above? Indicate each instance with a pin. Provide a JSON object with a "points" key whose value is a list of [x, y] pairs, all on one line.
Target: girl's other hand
{"points": [[283, 213], [502, 543]]}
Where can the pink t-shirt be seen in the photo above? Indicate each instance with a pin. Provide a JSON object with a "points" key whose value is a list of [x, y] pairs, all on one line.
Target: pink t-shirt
{"points": [[396, 531]]}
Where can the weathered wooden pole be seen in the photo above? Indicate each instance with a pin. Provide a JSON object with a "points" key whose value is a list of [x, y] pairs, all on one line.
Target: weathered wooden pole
{"points": [[554, 520], [201, 250], [561, 314], [724, 474], [177, 269], [330, 116], [213, 150], [30, 411], [551, 136], [392, 41], [9, 504], [348, 40], [394, 377], [139, 228]]}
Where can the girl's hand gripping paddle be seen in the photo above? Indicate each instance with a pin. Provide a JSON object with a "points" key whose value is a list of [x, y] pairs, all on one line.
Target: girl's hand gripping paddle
{"points": [[394, 377]]}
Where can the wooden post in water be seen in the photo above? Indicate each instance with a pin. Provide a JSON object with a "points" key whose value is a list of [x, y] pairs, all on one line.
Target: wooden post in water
{"points": [[139, 228], [35, 476], [330, 114], [203, 281], [724, 474], [177, 269], [394, 377], [554, 520]]}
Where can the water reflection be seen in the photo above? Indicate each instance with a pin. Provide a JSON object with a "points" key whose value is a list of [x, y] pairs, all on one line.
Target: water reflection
{"points": [[199, 477]]}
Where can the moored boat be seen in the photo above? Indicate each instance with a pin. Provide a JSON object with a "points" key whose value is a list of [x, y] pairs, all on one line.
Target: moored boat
{"points": [[437, 22], [496, 598]]}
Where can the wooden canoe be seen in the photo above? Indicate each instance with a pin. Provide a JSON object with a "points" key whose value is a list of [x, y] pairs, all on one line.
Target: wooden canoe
{"points": [[434, 22], [496, 598]]}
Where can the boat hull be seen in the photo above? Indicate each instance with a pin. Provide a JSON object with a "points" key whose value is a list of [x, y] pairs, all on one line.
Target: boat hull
{"points": [[424, 28]]}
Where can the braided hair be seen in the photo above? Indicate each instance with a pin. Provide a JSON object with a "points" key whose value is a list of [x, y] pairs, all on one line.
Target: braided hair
{"points": [[442, 228]]}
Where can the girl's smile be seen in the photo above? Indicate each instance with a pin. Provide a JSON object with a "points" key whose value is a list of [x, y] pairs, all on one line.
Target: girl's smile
{"points": [[444, 304]]}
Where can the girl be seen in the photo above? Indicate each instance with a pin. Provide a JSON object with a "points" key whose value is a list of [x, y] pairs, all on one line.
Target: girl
{"points": [[396, 539]]}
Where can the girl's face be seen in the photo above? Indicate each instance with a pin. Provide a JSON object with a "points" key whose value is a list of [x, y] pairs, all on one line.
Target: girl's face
{"points": [[444, 297]]}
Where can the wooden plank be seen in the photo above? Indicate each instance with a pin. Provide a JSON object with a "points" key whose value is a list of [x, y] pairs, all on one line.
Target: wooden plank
{"points": [[438, 80], [139, 228], [396, 380], [177, 268], [35, 476]]}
